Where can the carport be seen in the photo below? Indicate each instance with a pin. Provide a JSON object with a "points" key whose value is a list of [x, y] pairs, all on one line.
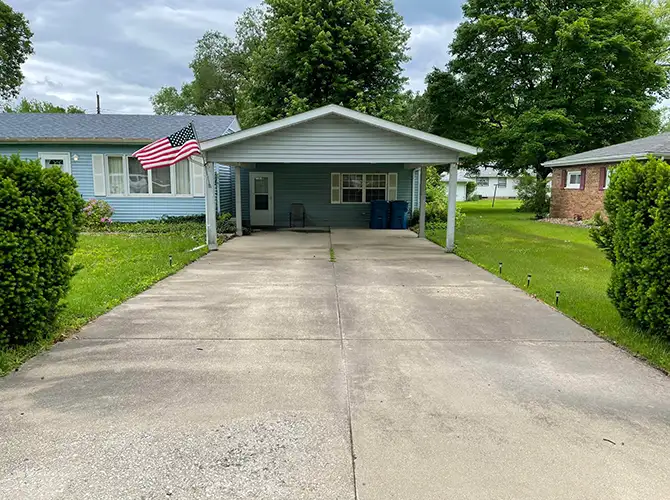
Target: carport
{"points": [[332, 161]]}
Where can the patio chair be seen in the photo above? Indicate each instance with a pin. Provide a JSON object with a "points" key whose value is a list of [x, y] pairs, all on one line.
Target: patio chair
{"points": [[297, 215]]}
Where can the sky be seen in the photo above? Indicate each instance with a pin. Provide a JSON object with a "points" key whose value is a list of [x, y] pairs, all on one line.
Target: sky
{"points": [[127, 49]]}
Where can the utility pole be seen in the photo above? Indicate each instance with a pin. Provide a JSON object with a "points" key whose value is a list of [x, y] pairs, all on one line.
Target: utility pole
{"points": [[97, 98]]}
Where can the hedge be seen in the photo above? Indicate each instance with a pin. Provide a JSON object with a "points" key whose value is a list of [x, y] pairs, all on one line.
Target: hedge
{"points": [[636, 239], [40, 215]]}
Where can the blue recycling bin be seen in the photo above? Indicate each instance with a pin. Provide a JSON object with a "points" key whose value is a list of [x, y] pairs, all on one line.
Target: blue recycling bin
{"points": [[379, 214], [399, 211]]}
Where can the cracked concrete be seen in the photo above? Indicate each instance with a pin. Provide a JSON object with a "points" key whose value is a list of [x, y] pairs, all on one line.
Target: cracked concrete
{"points": [[398, 372]]}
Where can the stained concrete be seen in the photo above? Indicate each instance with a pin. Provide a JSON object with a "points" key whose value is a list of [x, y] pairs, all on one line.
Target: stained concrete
{"points": [[265, 371]]}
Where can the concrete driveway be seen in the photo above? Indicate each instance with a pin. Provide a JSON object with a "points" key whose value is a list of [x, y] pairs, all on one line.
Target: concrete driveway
{"points": [[265, 371]]}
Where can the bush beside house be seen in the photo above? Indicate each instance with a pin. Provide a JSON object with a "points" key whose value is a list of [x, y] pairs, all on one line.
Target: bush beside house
{"points": [[636, 239], [40, 216]]}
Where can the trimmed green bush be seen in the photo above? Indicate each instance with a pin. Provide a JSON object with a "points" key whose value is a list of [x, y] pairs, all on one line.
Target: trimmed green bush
{"points": [[40, 216], [534, 195], [97, 215], [636, 239]]}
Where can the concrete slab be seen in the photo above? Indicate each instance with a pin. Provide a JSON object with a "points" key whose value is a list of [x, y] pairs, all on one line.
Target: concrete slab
{"points": [[180, 419], [282, 245], [435, 420]]}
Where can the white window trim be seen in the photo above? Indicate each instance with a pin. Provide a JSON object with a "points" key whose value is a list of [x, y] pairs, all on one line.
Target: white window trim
{"points": [[67, 162], [342, 188], [567, 180], [126, 181], [608, 174]]}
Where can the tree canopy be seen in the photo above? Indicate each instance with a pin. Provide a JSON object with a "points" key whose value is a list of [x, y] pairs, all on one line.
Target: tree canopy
{"points": [[294, 55], [532, 81], [35, 106], [15, 47]]}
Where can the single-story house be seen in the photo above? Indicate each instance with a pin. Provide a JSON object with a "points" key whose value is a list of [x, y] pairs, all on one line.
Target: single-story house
{"points": [[579, 181], [489, 183], [96, 150]]}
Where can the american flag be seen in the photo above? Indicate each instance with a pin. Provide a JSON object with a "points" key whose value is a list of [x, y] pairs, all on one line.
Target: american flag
{"points": [[169, 150]]}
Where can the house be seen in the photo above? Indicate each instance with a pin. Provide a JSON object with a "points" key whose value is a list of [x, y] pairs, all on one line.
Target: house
{"points": [[580, 181], [96, 150], [333, 161], [489, 183]]}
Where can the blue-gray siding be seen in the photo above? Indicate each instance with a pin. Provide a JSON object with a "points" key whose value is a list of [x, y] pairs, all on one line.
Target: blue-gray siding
{"points": [[126, 208], [226, 187], [310, 185]]}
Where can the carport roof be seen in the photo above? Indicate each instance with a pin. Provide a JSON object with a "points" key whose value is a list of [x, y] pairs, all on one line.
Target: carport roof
{"points": [[333, 109]]}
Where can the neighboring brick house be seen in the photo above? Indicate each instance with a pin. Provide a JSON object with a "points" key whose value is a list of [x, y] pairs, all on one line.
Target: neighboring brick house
{"points": [[579, 181]]}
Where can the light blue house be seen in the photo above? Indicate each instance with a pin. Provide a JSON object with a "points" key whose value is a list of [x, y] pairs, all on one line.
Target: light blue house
{"points": [[96, 150]]}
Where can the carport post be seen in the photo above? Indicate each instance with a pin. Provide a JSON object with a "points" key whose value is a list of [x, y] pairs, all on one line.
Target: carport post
{"points": [[422, 204], [238, 201], [210, 206], [451, 214]]}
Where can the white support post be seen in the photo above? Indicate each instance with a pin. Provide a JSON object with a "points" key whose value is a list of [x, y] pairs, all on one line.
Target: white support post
{"points": [[451, 214], [238, 200], [422, 203], [210, 207]]}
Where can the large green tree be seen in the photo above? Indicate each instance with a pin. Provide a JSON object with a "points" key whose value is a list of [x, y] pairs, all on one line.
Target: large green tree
{"points": [[220, 68], [35, 106], [319, 52], [531, 81], [15, 47]]}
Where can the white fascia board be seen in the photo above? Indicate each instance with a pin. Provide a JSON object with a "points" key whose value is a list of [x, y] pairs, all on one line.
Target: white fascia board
{"points": [[568, 162]]}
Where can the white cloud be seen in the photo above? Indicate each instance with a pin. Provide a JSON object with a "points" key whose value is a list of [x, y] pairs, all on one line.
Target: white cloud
{"points": [[429, 48]]}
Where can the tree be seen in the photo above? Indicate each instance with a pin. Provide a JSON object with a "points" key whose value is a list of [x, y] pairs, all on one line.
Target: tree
{"points": [[220, 68], [35, 106], [318, 52], [15, 47], [533, 81]]}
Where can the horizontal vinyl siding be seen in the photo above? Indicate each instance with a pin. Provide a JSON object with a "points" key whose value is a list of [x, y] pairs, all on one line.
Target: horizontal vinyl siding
{"points": [[310, 185], [126, 208], [333, 139], [225, 176]]}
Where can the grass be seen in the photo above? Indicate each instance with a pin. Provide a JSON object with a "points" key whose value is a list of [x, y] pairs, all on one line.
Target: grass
{"points": [[558, 258], [332, 255], [112, 268]]}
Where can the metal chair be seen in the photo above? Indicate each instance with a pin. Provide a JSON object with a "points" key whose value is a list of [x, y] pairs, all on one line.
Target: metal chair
{"points": [[297, 215]]}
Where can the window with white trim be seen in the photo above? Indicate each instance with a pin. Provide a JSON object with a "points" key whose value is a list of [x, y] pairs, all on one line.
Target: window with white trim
{"points": [[482, 181], [574, 179], [362, 188], [57, 160], [502, 182], [126, 176]]}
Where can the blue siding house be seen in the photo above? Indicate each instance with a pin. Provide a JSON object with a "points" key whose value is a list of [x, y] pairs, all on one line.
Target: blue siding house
{"points": [[96, 150]]}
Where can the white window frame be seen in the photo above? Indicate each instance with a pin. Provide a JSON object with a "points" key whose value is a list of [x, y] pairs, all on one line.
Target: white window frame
{"points": [[126, 181], [482, 181], [568, 184], [608, 174], [67, 163], [504, 182], [364, 197]]}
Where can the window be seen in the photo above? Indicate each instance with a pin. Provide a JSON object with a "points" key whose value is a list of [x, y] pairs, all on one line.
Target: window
{"points": [[55, 160], [352, 188], [115, 175], [138, 178], [161, 182], [574, 179], [502, 182], [375, 187], [608, 174], [482, 181], [182, 177]]}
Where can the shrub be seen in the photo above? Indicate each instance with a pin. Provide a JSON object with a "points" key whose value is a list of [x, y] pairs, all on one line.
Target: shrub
{"points": [[534, 195], [636, 239], [40, 215], [225, 224], [475, 197], [97, 215], [470, 190]]}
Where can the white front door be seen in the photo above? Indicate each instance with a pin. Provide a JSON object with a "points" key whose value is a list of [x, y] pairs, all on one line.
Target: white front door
{"points": [[261, 199]]}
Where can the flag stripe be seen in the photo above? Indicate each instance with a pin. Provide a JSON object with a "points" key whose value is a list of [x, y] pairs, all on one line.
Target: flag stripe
{"points": [[169, 150]]}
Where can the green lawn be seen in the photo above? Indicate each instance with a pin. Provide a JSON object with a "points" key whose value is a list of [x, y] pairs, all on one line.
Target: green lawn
{"points": [[558, 258], [113, 268]]}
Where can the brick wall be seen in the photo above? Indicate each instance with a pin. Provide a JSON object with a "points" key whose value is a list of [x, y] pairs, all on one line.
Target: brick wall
{"points": [[572, 203]]}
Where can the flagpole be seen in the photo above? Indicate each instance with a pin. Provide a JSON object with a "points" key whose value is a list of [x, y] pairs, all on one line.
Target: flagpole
{"points": [[210, 206]]}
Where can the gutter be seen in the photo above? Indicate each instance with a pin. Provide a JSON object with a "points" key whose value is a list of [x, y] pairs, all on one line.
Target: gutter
{"points": [[600, 159], [73, 140]]}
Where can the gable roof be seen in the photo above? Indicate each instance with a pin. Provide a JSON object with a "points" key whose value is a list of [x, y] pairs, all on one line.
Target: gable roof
{"points": [[60, 127], [333, 109], [657, 145]]}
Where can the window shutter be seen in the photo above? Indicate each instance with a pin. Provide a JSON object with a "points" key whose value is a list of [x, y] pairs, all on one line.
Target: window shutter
{"points": [[335, 181], [583, 181], [393, 187], [603, 177], [564, 179], [198, 172], [99, 175]]}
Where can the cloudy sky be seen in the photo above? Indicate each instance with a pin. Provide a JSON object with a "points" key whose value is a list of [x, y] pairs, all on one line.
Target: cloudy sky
{"points": [[127, 49]]}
